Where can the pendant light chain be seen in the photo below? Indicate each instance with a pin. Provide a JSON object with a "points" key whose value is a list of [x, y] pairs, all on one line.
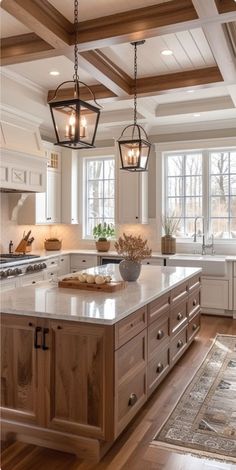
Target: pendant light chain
{"points": [[76, 25], [135, 82]]}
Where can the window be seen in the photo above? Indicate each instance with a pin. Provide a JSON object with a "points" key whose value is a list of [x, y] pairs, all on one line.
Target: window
{"points": [[184, 190], [99, 197], [202, 184], [223, 194]]}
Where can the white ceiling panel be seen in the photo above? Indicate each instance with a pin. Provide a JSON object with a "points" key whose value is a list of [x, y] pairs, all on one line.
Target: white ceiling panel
{"points": [[38, 72], [190, 51], [10, 26], [89, 9]]}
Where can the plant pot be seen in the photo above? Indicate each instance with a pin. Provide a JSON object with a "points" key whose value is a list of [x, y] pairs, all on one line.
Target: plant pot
{"points": [[168, 245], [103, 245], [129, 270]]}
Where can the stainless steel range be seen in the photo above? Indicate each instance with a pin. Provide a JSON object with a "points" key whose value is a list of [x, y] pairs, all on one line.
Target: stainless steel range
{"points": [[19, 265]]}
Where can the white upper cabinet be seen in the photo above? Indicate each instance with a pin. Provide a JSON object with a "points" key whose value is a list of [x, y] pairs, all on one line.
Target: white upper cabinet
{"points": [[45, 208], [132, 192], [70, 187]]}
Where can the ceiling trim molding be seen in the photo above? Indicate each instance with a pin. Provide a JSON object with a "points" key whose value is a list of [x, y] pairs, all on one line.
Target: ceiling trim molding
{"points": [[16, 77]]}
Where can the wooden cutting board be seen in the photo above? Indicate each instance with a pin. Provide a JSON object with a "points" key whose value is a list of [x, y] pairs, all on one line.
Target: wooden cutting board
{"points": [[112, 286]]}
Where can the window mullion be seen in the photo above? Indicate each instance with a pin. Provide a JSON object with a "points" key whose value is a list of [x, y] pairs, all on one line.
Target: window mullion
{"points": [[206, 190]]}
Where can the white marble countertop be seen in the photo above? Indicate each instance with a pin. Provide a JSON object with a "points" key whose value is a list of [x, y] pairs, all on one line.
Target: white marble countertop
{"points": [[46, 300], [43, 254]]}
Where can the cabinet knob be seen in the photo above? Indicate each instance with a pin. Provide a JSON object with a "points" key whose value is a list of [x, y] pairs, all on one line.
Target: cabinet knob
{"points": [[160, 334], [194, 302], [160, 368], [136, 217], [59, 327], [179, 316], [33, 282], [132, 399], [180, 343], [30, 324], [194, 326]]}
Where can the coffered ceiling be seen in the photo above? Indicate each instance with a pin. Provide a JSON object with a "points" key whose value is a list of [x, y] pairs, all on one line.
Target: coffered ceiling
{"points": [[37, 38]]}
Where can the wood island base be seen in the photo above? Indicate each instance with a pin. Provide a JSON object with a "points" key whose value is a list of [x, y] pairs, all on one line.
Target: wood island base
{"points": [[74, 386]]}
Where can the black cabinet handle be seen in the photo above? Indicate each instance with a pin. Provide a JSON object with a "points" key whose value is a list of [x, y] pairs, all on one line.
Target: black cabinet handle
{"points": [[132, 399], [179, 316], [38, 329], [45, 332]]}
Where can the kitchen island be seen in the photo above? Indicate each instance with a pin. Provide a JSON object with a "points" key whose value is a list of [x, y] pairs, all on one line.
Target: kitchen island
{"points": [[77, 366]]}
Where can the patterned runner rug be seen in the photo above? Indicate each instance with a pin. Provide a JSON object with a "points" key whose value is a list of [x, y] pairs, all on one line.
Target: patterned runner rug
{"points": [[204, 419]]}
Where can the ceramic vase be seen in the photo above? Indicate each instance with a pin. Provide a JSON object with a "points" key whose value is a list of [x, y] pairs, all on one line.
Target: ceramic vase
{"points": [[129, 270]]}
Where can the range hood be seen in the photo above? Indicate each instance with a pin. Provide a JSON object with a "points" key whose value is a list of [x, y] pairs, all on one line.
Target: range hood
{"points": [[23, 163]]}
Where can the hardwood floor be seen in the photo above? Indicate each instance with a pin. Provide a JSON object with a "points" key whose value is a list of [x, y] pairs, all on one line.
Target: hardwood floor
{"points": [[132, 450]]}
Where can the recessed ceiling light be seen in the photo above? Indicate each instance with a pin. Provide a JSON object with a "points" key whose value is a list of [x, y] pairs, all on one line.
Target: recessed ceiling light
{"points": [[190, 91], [54, 73], [167, 52], [196, 115]]}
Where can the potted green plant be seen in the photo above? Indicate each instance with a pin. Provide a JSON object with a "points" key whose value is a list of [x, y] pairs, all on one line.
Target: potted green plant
{"points": [[133, 249], [168, 241], [102, 232]]}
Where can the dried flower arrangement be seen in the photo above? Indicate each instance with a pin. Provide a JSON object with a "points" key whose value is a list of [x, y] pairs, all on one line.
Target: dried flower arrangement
{"points": [[132, 248], [170, 225]]}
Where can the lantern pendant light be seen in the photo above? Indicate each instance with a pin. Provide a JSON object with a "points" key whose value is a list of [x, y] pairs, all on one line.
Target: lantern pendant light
{"points": [[75, 121], [133, 143]]}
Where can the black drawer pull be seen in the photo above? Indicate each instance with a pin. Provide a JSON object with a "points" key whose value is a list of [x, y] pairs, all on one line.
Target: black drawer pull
{"points": [[179, 316], [194, 302], [180, 343], [45, 332], [132, 399], [160, 368], [38, 329], [194, 326], [160, 334]]}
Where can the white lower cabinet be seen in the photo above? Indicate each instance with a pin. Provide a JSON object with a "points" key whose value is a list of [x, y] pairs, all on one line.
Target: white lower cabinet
{"points": [[30, 279], [80, 262], [215, 293], [8, 284], [64, 265]]}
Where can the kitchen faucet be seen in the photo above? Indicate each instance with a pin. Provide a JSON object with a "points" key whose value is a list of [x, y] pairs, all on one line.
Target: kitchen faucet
{"points": [[204, 245]]}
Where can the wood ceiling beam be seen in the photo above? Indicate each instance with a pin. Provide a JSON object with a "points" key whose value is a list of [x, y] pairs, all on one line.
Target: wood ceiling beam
{"points": [[100, 93], [151, 86], [225, 6], [43, 19], [172, 81], [106, 72], [24, 48], [134, 24]]}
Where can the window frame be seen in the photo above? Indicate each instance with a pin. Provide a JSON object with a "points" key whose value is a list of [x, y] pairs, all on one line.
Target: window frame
{"points": [[206, 193], [87, 159]]}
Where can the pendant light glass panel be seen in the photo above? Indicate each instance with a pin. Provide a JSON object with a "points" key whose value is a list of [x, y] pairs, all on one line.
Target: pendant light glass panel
{"points": [[75, 123]]}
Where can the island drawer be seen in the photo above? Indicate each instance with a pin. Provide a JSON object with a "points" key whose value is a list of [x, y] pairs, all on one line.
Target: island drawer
{"points": [[130, 326], [194, 301], [179, 293], [158, 334], [157, 369], [178, 316], [193, 326], [80, 262], [130, 397], [158, 307], [194, 283], [178, 346], [130, 357]]}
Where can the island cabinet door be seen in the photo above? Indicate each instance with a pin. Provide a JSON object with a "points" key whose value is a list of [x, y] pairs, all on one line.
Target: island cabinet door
{"points": [[21, 367], [80, 379]]}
